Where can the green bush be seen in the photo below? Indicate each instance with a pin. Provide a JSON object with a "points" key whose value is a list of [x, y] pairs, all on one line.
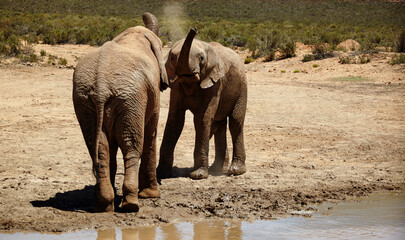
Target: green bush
{"points": [[358, 59], [287, 50], [320, 51], [308, 58], [345, 60], [249, 60], [400, 44], [364, 59], [43, 53], [51, 59], [269, 45], [10, 44], [62, 61], [32, 57], [398, 59]]}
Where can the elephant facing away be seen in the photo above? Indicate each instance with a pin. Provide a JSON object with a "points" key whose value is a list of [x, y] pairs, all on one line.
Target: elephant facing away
{"points": [[209, 80], [116, 96]]}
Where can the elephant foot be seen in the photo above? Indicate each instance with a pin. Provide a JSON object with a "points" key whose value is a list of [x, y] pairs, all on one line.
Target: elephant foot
{"points": [[130, 204], [237, 169], [217, 169], [149, 193], [200, 173], [163, 172], [105, 198], [102, 207]]}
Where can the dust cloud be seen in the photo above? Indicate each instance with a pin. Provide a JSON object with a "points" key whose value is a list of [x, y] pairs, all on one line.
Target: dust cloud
{"points": [[175, 17]]}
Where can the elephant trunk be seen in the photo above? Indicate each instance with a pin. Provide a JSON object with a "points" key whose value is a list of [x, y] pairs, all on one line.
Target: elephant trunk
{"points": [[151, 22], [183, 63]]}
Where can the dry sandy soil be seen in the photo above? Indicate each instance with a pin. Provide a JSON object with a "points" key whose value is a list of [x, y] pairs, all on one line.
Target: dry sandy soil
{"points": [[311, 136]]}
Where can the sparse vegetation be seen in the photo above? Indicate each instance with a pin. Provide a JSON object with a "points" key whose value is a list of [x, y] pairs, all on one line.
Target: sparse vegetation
{"points": [[364, 59], [32, 57], [398, 59], [344, 60], [52, 59], [10, 44], [297, 71], [62, 61], [356, 59], [43, 53], [264, 27], [287, 50], [350, 79], [321, 51], [315, 65], [400, 44], [249, 60], [308, 58]]}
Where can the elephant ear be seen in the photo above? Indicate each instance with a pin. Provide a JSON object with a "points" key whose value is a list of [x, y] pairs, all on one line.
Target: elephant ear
{"points": [[170, 67], [156, 46], [213, 70]]}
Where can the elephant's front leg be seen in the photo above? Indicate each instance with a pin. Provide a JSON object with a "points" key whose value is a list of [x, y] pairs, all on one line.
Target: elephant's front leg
{"points": [[239, 156], [173, 129], [221, 162], [201, 148]]}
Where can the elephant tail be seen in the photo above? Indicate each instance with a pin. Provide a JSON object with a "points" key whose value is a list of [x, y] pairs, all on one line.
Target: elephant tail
{"points": [[100, 96], [99, 128]]}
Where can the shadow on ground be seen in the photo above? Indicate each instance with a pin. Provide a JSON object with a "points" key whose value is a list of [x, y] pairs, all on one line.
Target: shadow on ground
{"points": [[185, 173], [76, 200]]}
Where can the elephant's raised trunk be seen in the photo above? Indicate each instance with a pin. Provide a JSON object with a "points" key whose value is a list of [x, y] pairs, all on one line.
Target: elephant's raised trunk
{"points": [[151, 22], [183, 63]]}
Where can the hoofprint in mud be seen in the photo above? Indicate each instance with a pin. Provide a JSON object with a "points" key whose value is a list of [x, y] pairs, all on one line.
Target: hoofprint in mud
{"points": [[312, 134]]}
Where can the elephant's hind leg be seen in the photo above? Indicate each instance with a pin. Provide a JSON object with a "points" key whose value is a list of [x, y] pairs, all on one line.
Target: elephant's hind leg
{"points": [[220, 164], [113, 161], [104, 189], [129, 135], [147, 172]]}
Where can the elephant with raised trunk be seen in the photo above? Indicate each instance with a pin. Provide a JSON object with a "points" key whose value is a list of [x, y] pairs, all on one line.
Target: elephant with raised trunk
{"points": [[116, 95], [209, 80]]}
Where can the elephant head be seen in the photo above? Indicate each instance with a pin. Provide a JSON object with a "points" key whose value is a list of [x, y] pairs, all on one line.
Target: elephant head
{"points": [[194, 61]]}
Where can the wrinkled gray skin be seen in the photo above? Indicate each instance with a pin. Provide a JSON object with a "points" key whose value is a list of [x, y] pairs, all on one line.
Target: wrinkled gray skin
{"points": [[116, 95], [209, 80]]}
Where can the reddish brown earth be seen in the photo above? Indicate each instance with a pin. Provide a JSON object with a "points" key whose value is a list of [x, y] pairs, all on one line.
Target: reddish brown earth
{"points": [[310, 135]]}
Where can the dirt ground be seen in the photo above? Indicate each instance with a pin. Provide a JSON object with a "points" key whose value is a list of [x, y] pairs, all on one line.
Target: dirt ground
{"points": [[311, 136]]}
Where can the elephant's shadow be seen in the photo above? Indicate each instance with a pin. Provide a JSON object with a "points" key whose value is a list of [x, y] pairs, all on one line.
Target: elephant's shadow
{"points": [[185, 172], [73, 201], [181, 172]]}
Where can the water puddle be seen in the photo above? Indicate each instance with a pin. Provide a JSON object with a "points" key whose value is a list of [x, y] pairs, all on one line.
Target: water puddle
{"points": [[379, 216]]}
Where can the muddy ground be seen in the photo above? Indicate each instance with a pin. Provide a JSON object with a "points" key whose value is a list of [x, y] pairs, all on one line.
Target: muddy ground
{"points": [[311, 136]]}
